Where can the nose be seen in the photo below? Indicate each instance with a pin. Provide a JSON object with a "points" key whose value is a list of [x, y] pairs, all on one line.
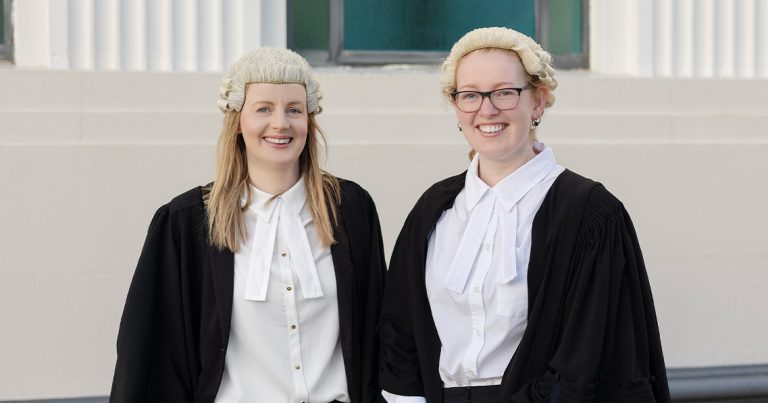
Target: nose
{"points": [[279, 120], [487, 108]]}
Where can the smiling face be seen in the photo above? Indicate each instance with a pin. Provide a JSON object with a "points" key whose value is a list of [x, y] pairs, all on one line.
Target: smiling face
{"points": [[501, 137], [274, 122]]}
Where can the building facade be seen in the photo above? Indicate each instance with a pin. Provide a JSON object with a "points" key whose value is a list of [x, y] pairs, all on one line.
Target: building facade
{"points": [[108, 110]]}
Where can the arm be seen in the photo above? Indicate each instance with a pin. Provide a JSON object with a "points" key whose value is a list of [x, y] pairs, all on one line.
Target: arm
{"points": [[399, 367], [146, 370], [608, 346]]}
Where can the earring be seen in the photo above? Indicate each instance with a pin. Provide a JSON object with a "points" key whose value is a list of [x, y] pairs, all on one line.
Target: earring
{"points": [[459, 127], [535, 123]]}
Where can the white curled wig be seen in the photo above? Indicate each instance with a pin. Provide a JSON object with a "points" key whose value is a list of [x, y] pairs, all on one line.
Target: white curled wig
{"points": [[536, 61], [268, 65]]}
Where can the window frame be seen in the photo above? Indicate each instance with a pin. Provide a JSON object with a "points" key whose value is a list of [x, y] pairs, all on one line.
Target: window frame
{"points": [[336, 55], [6, 49], [571, 61]]}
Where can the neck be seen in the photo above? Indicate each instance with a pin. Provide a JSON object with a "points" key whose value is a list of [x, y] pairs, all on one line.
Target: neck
{"points": [[273, 179], [493, 171]]}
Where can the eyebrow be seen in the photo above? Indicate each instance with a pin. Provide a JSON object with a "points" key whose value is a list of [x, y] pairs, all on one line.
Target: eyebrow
{"points": [[290, 103], [472, 87]]}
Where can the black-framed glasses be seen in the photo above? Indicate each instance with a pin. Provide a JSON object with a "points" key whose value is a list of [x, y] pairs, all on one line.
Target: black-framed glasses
{"points": [[502, 99]]}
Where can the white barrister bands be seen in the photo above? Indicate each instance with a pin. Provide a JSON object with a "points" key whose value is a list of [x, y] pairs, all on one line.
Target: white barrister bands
{"points": [[288, 213], [481, 218]]}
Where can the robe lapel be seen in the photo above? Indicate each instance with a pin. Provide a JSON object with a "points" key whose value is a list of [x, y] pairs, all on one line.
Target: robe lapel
{"points": [[346, 293], [223, 273]]}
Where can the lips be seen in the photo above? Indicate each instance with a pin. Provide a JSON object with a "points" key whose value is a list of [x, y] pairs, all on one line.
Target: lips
{"points": [[491, 129], [278, 140]]}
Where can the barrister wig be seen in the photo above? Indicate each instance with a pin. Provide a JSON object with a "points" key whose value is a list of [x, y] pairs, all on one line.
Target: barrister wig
{"points": [[536, 61]]}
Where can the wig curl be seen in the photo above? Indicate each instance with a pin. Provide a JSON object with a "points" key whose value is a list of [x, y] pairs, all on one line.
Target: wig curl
{"points": [[268, 65]]}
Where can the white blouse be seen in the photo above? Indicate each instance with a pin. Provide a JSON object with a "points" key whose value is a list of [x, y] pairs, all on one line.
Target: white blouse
{"points": [[284, 338], [476, 272]]}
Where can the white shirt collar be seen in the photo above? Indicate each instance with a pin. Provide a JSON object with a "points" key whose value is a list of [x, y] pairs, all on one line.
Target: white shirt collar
{"points": [[480, 207], [263, 203], [514, 186]]}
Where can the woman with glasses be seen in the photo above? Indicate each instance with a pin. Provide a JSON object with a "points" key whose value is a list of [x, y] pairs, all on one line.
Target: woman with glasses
{"points": [[518, 280], [265, 285]]}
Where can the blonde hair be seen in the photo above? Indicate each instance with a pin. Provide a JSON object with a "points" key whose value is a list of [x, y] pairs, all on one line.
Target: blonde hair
{"points": [[226, 226]]}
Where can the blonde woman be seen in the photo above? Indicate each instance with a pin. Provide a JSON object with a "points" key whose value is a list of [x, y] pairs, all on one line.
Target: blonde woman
{"points": [[263, 286], [518, 280]]}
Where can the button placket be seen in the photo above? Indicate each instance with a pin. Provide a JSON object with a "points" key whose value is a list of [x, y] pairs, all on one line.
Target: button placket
{"points": [[292, 325], [476, 302]]}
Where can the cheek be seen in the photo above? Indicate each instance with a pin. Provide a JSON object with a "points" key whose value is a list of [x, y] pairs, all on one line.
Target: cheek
{"points": [[300, 128], [464, 119], [248, 126]]}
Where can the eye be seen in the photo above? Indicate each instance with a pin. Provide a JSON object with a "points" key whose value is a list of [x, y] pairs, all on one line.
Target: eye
{"points": [[506, 93], [262, 109], [296, 111], [468, 96]]}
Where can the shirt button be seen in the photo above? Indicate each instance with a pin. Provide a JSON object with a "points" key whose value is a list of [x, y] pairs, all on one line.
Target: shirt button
{"points": [[297, 367], [289, 288], [284, 254], [477, 332], [487, 247], [476, 289], [293, 327]]}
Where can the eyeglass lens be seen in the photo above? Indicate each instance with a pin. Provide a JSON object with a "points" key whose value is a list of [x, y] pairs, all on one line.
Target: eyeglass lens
{"points": [[470, 101]]}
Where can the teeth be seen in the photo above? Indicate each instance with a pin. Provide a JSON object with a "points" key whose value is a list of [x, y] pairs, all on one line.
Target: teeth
{"points": [[277, 141], [490, 128]]}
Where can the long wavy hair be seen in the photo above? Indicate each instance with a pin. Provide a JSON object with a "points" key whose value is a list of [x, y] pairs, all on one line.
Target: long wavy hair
{"points": [[226, 225]]}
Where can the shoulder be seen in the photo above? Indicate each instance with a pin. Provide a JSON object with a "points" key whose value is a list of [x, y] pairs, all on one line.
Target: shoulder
{"points": [[598, 205], [188, 202], [186, 207], [190, 199], [355, 204], [441, 193], [352, 192]]}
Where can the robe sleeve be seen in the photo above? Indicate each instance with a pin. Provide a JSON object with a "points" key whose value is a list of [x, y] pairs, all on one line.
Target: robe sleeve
{"points": [[609, 349], [399, 367], [148, 367]]}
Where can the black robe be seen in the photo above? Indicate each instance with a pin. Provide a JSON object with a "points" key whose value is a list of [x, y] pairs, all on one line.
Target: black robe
{"points": [[591, 335], [175, 327]]}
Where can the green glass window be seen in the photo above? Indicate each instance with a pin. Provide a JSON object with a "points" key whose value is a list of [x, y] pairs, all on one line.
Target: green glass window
{"points": [[6, 43], [427, 25], [407, 31], [2, 22], [563, 31], [309, 24]]}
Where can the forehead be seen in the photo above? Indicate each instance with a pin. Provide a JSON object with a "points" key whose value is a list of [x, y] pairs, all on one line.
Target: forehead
{"points": [[490, 67], [271, 92]]}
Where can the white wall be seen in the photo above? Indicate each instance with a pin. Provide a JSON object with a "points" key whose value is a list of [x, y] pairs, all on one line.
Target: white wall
{"points": [[83, 171]]}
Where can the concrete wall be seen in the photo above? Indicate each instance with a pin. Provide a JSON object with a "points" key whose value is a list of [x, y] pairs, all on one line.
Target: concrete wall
{"points": [[85, 159]]}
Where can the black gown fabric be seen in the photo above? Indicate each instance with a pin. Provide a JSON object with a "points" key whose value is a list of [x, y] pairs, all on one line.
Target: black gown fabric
{"points": [[592, 334], [175, 326]]}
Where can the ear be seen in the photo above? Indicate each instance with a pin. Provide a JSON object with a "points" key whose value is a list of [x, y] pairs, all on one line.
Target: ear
{"points": [[541, 94]]}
